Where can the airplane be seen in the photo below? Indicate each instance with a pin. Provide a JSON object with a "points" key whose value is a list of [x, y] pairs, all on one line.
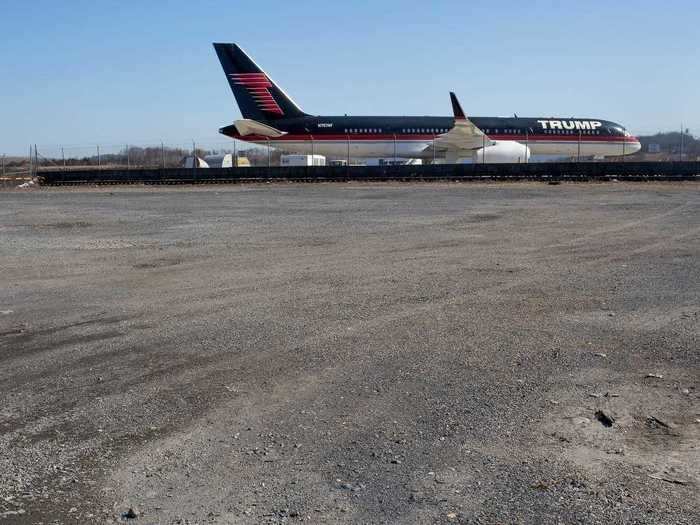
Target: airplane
{"points": [[271, 118]]}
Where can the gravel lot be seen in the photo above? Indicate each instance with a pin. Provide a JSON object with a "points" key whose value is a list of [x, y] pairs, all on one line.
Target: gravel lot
{"points": [[351, 353]]}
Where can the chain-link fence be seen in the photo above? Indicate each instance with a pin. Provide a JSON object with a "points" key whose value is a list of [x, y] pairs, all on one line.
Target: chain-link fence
{"points": [[140, 155], [681, 145]]}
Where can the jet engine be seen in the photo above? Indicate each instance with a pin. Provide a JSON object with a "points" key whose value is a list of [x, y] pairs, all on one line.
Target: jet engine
{"points": [[502, 151]]}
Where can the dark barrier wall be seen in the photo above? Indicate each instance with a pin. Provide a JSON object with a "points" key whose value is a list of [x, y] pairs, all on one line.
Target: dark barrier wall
{"points": [[535, 171]]}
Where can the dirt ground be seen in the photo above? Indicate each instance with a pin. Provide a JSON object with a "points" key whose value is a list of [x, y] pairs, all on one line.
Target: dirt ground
{"points": [[350, 353]]}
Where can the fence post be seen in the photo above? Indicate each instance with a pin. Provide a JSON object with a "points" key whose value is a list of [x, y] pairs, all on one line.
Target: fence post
{"points": [[527, 145], [194, 158], [578, 155], [36, 160], [623, 150], [128, 160], [63, 156], [162, 155], [30, 161], [3, 164], [98, 156], [235, 155]]}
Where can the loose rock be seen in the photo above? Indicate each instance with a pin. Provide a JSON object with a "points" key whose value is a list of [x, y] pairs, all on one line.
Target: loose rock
{"points": [[605, 419]]}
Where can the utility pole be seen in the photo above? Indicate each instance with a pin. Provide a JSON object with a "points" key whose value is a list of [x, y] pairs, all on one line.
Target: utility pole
{"points": [[128, 160], [36, 160], [30, 161], [3, 164], [162, 155], [98, 156], [63, 156]]}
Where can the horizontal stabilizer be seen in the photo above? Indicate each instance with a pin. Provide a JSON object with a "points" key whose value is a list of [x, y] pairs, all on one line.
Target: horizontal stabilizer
{"points": [[253, 127]]}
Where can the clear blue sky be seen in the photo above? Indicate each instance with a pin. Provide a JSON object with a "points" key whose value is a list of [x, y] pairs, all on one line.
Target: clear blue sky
{"points": [[87, 72]]}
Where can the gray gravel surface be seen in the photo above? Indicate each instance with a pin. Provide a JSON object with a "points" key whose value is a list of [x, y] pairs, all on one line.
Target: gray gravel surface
{"points": [[349, 353]]}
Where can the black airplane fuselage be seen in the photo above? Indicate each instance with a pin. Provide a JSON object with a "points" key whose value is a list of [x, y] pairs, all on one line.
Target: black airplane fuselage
{"points": [[411, 137]]}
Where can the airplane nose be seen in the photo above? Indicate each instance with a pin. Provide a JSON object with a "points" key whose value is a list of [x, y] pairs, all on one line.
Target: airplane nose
{"points": [[635, 145]]}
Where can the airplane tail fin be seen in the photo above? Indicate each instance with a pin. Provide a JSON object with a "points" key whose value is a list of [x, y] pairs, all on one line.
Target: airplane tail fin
{"points": [[258, 97]]}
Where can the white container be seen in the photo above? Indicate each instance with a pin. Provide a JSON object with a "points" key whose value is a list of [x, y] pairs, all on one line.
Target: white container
{"points": [[302, 160]]}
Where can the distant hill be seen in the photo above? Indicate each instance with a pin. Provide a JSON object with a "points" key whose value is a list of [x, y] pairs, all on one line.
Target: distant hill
{"points": [[670, 145]]}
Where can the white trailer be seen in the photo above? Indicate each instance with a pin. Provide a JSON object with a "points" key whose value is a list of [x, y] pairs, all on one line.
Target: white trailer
{"points": [[302, 160], [393, 162]]}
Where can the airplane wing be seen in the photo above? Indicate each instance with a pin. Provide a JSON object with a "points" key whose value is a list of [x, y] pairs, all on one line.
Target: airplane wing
{"points": [[464, 136]]}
